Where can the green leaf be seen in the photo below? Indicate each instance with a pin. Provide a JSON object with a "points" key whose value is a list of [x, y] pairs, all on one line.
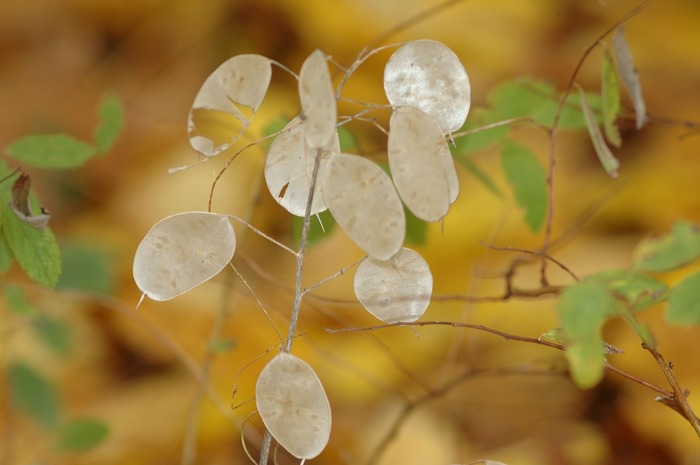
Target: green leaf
{"points": [[33, 394], [6, 256], [583, 309], [540, 101], [684, 302], [416, 229], [316, 232], [36, 250], [85, 267], [610, 100], [480, 140], [348, 141], [528, 181], [111, 121], [56, 151], [53, 333], [16, 300], [674, 250], [81, 435], [637, 289], [607, 159]]}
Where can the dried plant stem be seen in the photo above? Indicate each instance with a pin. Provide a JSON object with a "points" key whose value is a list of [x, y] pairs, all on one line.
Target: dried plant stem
{"points": [[298, 288], [553, 131]]}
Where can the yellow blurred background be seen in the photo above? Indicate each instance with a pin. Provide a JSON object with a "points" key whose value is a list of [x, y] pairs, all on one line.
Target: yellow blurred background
{"points": [[141, 372]]}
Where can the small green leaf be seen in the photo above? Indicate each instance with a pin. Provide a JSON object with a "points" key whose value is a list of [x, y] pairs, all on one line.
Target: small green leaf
{"points": [[111, 121], [56, 151], [639, 290], [610, 93], [538, 100], [528, 180], [416, 229], [607, 159], [33, 394], [583, 309], [684, 302], [53, 333], [483, 139], [6, 256], [85, 267], [16, 300], [36, 250], [81, 435], [316, 232], [348, 141], [674, 250]]}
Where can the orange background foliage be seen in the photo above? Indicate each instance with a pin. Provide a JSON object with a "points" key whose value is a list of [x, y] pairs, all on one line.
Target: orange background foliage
{"points": [[140, 371]]}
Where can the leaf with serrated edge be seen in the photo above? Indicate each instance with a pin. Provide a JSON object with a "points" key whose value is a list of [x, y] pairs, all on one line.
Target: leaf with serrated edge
{"points": [[583, 309], [289, 166], [51, 151], [36, 250], [528, 180], [293, 405], [421, 164], [427, 75], [680, 247], [181, 252], [226, 103], [607, 159], [684, 302], [395, 290], [365, 204], [318, 104], [629, 75], [111, 115]]}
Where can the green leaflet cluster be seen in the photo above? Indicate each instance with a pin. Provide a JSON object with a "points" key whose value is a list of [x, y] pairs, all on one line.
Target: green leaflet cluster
{"points": [[586, 306]]}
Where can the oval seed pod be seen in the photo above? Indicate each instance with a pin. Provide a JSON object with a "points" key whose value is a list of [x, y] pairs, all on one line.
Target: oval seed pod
{"points": [[421, 164], [226, 103], [318, 105], [428, 75], [293, 405], [363, 201], [289, 166], [395, 290], [181, 252]]}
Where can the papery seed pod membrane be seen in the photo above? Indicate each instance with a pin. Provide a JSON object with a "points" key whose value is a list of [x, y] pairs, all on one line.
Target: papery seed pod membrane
{"points": [[364, 202], [181, 252], [226, 103], [318, 105], [293, 405], [395, 290], [426, 74], [289, 167]]}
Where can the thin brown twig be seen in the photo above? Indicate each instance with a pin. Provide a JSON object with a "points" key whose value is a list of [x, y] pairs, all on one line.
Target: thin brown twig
{"points": [[554, 131]]}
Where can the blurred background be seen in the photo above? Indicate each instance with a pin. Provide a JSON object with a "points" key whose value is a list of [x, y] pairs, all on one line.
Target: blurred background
{"points": [[161, 378]]}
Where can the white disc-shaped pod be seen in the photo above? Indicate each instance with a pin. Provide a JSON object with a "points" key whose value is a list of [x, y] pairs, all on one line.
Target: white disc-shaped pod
{"points": [[421, 164], [394, 290], [426, 74], [289, 167], [293, 405], [226, 103], [318, 104], [364, 202], [181, 252]]}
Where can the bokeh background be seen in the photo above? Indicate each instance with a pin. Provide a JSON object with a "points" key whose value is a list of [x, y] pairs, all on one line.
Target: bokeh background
{"points": [[144, 372]]}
